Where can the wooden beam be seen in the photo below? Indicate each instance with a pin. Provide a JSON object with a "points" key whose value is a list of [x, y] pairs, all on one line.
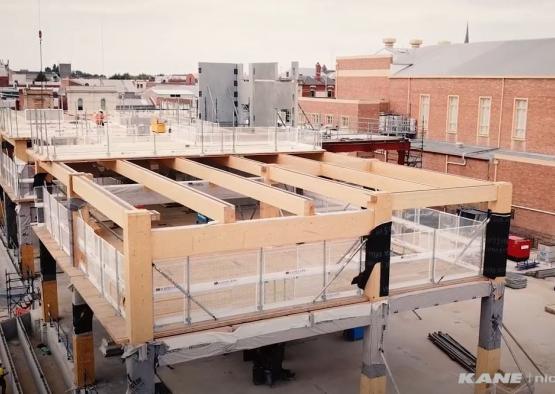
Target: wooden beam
{"points": [[502, 203], [198, 201], [80, 184], [336, 190], [175, 242], [411, 174], [268, 194], [100, 199], [447, 196], [346, 173], [139, 307]]}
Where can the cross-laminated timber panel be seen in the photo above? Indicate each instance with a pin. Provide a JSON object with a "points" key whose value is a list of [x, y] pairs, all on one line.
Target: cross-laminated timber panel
{"points": [[206, 204], [282, 199]]}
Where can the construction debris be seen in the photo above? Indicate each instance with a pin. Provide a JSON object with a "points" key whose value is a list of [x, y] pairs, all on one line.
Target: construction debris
{"points": [[456, 352]]}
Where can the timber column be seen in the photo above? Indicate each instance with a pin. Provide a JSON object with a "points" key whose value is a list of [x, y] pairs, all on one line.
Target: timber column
{"points": [[49, 285], [375, 282], [495, 265], [83, 342], [141, 353]]}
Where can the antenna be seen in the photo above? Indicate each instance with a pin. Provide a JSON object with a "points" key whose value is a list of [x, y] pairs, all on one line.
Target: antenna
{"points": [[41, 70]]}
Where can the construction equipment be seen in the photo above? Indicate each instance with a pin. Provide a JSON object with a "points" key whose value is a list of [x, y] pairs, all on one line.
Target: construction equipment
{"points": [[518, 248], [157, 125]]}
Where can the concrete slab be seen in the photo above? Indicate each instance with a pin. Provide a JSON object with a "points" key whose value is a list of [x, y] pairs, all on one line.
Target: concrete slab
{"points": [[329, 364]]}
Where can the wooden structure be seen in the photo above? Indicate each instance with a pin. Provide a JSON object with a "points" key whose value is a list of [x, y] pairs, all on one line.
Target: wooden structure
{"points": [[375, 189]]}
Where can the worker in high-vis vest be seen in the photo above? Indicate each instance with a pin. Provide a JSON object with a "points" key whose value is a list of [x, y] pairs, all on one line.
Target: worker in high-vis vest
{"points": [[3, 374]]}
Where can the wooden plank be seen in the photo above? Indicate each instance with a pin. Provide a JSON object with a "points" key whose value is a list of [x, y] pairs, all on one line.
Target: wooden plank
{"points": [[198, 201], [268, 194], [372, 385], [183, 241], [139, 309]]}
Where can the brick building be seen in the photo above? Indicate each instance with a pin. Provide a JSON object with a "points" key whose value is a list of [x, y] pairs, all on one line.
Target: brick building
{"points": [[485, 110], [318, 82]]}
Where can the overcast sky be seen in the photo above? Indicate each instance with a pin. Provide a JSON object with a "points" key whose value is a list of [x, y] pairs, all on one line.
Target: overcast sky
{"points": [[172, 36]]}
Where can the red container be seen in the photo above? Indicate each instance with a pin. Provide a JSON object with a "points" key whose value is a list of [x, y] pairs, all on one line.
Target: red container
{"points": [[518, 248]]}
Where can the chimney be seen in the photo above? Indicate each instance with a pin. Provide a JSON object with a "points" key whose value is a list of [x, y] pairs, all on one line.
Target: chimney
{"points": [[318, 71], [415, 43], [388, 42]]}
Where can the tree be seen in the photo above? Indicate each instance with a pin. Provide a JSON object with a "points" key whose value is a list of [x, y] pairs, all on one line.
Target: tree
{"points": [[41, 77]]}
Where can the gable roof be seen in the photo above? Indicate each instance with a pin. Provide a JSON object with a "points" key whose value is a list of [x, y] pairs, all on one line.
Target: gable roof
{"points": [[534, 58]]}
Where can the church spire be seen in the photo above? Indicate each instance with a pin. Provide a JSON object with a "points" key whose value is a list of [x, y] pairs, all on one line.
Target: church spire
{"points": [[466, 37]]}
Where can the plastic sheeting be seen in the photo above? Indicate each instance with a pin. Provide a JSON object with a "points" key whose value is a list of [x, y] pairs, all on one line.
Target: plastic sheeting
{"points": [[102, 263], [56, 218], [191, 346]]}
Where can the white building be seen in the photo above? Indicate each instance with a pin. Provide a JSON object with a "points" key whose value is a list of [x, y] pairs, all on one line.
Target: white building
{"points": [[89, 99], [260, 98]]}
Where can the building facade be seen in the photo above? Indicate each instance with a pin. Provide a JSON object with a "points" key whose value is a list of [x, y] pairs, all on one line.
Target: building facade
{"points": [[486, 109]]}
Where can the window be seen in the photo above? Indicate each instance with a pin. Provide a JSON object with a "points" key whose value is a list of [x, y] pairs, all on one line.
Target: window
{"points": [[345, 121], [484, 112], [103, 104], [200, 93], [200, 70], [235, 71], [316, 119], [312, 93], [424, 114], [234, 94], [330, 93], [519, 118], [452, 113], [329, 119], [234, 83], [79, 104]]}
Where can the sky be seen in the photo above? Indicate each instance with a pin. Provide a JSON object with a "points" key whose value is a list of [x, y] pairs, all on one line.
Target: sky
{"points": [[172, 36]]}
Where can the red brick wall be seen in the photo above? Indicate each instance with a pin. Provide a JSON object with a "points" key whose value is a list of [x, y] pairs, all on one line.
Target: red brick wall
{"points": [[540, 119], [362, 88], [532, 188], [364, 63], [337, 108]]}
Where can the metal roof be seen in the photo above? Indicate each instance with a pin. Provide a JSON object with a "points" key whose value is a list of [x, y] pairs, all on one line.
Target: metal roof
{"points": [[535, 58]]}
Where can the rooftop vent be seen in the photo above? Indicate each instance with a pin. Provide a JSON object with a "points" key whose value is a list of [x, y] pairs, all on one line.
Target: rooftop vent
{"points": [[415, 43], [443, 42], [388, 42]]}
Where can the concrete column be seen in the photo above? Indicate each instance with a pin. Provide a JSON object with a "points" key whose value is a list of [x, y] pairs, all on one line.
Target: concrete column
{"points": [[83, 342], [495, 265], [49, 286], [373, 376], [489, 340], [141, 363]]}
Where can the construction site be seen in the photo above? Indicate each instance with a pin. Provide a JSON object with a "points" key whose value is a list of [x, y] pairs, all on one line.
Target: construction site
{"points": [[248, 229], [209, 240]]}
